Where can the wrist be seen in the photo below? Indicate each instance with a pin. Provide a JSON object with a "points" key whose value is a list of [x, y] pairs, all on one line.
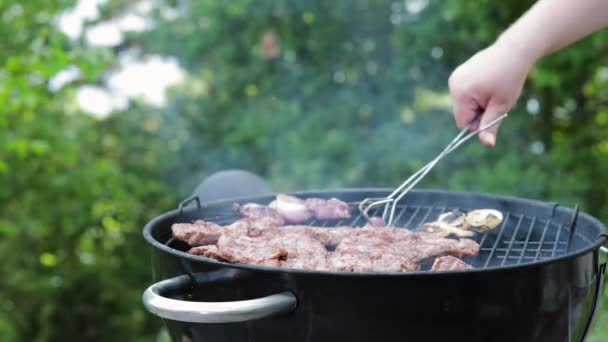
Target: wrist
{"points": [[525, 50]]}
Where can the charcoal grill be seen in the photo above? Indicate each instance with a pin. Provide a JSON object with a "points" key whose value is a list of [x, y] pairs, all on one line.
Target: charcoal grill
{"points": [[537, 277]]}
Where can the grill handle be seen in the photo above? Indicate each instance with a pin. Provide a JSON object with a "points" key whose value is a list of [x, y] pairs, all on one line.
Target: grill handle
{"points": [[598, 288], [212, 312]]}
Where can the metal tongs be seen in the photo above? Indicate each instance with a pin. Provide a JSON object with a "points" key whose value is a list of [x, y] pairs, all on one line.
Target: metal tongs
{"points": [[393, 199]]}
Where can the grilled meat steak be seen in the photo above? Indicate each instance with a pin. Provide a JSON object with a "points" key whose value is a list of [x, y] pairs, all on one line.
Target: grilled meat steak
{"points": [[199, 233], [369, 252], [448, 262], [261, 237], [291, 246], [248, 240], [303, 251], [236, 247], [421, 246]]}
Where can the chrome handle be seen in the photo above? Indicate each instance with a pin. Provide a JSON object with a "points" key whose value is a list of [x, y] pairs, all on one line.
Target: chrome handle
{"points": [[212, 312], [599, 287], [604, 255]]}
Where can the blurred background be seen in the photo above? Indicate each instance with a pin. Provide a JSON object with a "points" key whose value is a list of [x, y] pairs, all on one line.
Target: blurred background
{"points": [[114, 110]]}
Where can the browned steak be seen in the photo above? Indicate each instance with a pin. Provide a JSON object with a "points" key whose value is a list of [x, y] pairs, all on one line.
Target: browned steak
{"points": [[420, 246], [449, 262], [302, 251], [465, 247], [308, 247], [291, 248], [208, 251], [369, 253], [237, 247], [386, 233], [329, 237], [199, 233]]}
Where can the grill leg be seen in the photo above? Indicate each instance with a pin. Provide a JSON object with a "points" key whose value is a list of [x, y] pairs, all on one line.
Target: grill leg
{"points": [[231, 184]]}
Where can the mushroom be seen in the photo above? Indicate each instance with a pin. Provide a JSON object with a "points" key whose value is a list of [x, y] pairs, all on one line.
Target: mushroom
{"points": [[444, 229], [482, 220], [454, 218]]}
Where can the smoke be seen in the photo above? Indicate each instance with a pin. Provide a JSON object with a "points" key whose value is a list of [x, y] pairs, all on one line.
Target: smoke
{"points": [[311, 96]]}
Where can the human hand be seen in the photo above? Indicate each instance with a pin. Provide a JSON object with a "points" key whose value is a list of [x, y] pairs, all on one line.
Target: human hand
{"points": [[489, 82]]}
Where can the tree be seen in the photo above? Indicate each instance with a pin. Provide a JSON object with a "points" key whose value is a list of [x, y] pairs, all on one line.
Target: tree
{"points": [[75, 192]]}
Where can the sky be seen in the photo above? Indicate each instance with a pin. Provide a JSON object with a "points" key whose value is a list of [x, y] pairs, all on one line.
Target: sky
{"points": [[138, 76]]}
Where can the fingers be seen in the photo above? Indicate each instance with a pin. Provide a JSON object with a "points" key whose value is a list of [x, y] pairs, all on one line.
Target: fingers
{"points": [[464, 104], [488, 137], [465, 111]]}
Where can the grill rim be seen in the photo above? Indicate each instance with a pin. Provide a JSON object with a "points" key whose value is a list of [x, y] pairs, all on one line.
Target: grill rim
{"points": [[594, 245]]}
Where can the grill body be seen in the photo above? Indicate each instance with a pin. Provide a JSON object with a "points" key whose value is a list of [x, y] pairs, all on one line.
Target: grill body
{"points": [[532, 282]]}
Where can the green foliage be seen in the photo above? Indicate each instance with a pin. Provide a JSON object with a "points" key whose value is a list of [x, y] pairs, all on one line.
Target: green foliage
{"points": [[74, 192], [349, 99]]}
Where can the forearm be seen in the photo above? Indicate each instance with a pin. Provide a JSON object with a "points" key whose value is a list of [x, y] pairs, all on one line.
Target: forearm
{"points": [[552, 24]]}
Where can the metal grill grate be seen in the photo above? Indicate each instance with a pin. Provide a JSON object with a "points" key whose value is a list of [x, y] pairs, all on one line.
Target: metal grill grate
{"points": [[518, 239]]}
